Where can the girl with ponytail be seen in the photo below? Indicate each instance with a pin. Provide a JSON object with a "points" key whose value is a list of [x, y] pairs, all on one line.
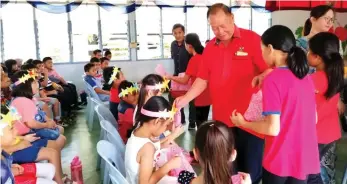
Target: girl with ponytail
{"points": [[154, 118], [150, 86], [289, 110], [324, 55], [146, 92], [214, 149], [202, 103]]}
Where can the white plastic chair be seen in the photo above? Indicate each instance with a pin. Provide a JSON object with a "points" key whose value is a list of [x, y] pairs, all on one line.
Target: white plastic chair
{"points": [[344, 179], [112, 135], [116, 179], [113, 165], [92, 100], [105, 114]]}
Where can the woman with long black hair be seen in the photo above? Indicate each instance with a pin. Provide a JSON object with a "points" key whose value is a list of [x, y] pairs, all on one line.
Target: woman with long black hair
{"points": [[202, 103]]}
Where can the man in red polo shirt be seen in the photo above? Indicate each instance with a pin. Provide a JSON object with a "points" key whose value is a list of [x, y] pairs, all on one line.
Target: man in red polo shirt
{"points": [[230, 62]]}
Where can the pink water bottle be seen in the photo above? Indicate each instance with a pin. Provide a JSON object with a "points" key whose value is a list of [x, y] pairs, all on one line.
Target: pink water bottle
{"points": [[76, 170]]}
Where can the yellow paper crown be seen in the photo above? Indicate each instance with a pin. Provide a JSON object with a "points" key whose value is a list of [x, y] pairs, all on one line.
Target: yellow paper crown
{"points": [[161, 114], [31, 75], [160, 86], [9, 118], [114, 75], [129, 90], [173, 110]]}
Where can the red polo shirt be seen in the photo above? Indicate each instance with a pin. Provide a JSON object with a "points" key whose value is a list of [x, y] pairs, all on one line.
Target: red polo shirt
{"points": [[230, 69]]}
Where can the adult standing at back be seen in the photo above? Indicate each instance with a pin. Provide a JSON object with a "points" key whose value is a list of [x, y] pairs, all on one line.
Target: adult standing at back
{"points": [[322, 19], [230, 62], [181, 57]]}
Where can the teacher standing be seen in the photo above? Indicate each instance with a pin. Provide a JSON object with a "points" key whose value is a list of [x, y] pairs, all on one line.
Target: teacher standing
{"points": [[231, 61]]}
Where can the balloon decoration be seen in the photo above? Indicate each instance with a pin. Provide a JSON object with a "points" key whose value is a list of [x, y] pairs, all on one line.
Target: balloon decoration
{"points": [[122, 9]]}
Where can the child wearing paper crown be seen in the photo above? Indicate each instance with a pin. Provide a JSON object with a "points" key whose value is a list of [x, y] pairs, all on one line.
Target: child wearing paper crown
{"points": [[155, 85], [155, 116], [113, 76], [33, 173], [214, 149], [128, 94], [35, 120]]}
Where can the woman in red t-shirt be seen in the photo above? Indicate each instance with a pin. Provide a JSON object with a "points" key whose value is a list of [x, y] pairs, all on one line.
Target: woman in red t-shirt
{"points": [[113, 76], [324, 55], [202, 102]]}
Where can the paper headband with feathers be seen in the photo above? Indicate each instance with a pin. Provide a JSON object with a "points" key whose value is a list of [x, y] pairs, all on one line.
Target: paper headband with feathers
{"points": [[8, 119], [114, 75], [160, 86], [129, 90], [161, 114], [31, 75]]}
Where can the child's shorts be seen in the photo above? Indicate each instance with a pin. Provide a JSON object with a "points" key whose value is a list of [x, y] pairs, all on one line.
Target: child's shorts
{"points": [[29, 155], [52, 101], [47, 133], [104, 98]]}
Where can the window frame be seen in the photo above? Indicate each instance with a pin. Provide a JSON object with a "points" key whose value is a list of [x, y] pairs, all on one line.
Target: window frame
{"points": [[131, 32]]}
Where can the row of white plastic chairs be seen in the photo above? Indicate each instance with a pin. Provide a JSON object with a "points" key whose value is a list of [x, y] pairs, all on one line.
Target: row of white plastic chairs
{"points": [[110, 147]]}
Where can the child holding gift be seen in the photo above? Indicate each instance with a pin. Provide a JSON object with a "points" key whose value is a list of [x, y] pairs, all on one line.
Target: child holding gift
{"points": [[289, 108], [155, 85], [154, 118]]}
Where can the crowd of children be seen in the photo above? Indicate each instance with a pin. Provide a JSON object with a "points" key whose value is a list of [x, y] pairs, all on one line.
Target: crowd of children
{"points": [[299, 120], [36, 104]]}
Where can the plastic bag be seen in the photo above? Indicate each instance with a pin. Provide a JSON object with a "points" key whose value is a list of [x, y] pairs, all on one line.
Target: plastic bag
{"points": [[167, 154]]}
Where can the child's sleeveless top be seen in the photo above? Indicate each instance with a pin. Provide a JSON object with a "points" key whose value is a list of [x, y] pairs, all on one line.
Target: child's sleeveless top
{"points": [[132, 167]]}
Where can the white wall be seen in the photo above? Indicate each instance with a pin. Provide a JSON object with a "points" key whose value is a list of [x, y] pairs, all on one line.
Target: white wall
{"points": [[133, 70], [296, 18]]}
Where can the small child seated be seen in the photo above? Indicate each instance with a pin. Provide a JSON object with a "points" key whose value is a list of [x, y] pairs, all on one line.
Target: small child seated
{"points": [[154, 118], [14, 173], [99, 76], [35, 120], [214, 138], [42, 101], [54, 76], [113, 77], [90, 70], [128, 94]]}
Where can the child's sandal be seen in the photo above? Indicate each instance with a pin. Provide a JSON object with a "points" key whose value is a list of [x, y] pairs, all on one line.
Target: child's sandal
{"points": [[66, 179]]}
